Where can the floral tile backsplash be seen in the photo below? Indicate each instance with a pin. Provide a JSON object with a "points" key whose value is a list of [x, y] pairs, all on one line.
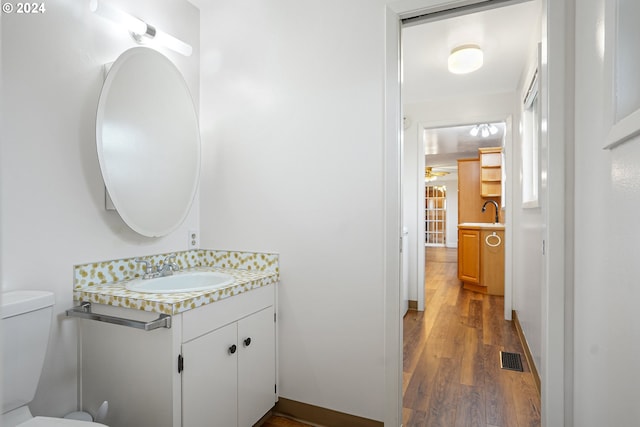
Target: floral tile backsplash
{"points": [[104, 282], [99, 273]]}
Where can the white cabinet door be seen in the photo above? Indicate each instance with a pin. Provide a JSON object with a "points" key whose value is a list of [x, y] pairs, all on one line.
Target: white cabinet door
{"points": [[256, 366], [209, 379]]}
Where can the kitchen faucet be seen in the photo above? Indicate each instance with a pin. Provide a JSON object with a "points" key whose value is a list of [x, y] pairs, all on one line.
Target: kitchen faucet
{"points": [[484, 208]]}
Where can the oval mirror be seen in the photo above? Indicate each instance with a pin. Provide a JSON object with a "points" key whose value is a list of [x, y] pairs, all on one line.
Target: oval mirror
{"points": [[148, 142]]}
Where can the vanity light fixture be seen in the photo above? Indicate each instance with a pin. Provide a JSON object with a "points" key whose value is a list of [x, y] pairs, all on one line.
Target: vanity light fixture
{"points": [[465, 59], [141, 31], [484, 129]]}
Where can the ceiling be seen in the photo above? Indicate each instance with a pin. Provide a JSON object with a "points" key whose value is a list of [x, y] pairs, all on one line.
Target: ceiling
{"points": [[443, 146], [505, 35]]}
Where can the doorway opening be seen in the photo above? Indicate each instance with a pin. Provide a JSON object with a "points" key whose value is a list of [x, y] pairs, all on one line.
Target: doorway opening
{"points": [[555, 334], [441, 150], [478, 100]]}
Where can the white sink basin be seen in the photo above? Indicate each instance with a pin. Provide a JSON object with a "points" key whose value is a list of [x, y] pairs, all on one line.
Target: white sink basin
{"points": [[182, 282]]}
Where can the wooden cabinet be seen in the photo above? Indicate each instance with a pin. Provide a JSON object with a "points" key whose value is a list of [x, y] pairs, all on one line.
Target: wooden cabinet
{"points": [[481, 258], [490, 172], [492, 261], [229, 376], [476, 176], [186, 375], [469, 199], [469, 255]]}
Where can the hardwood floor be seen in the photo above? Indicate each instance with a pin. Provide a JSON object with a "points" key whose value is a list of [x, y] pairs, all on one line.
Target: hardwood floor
{"points": [[452, 374], [278, 421]]}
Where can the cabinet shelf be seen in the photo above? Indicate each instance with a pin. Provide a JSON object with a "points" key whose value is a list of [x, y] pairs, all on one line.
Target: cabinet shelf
{"points": [[491, 172]]}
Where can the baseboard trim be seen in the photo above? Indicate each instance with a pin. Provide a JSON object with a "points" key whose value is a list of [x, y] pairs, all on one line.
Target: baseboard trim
{"points": [[264, 419], [527, 351], [475, 288], [413, 304], [319, 416]]}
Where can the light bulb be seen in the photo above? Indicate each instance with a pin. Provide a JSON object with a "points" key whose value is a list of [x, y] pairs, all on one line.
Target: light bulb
{"points": [[465, 59], [173, 43], [139, 30], [117, 16]]}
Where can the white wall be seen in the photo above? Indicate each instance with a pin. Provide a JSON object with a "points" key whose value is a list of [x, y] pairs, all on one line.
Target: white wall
{"points": [[527, 232], [438, 113], [292, 112], [314, 96], [607, 202], [452, 210], [52, 192]]}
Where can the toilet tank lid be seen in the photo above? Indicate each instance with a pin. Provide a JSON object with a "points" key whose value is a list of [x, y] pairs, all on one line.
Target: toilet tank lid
{"points": [[19, 302]]}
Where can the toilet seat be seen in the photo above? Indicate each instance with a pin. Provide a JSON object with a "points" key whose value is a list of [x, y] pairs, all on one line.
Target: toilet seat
{"points": [[57, 422]]}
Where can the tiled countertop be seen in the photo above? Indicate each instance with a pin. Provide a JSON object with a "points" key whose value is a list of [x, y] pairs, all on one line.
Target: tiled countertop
{"points": [[250, 270], [482, 225], [116, 295]]}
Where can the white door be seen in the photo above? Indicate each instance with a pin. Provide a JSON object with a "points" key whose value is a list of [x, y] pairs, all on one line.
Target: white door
{"points": [[209, 379], [256, 366]]}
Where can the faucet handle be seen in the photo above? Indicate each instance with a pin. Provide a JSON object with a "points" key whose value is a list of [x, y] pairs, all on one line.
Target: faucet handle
{"points": [[174, 265], [168, 258], [148, 267]]}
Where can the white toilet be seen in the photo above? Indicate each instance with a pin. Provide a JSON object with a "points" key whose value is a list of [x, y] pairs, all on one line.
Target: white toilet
{"points": [[26, 320]]}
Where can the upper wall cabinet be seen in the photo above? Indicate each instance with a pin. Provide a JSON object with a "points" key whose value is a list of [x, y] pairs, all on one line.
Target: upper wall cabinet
{"points": [[491, 172]]}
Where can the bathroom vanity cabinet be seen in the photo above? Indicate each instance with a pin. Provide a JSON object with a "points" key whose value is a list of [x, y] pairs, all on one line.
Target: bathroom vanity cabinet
{"points": [[215, 366], [226, 371]]}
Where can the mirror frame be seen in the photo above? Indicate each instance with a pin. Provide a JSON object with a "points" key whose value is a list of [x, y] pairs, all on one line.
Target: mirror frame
{"points": [[148, 142]]}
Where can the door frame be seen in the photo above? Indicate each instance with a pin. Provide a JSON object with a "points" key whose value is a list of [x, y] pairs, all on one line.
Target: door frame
{"points": [[556, 331], [509, 184]]}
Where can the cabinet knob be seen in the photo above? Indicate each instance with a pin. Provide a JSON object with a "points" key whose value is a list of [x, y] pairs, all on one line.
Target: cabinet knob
{"points": [[232, 349], [247, 342]]}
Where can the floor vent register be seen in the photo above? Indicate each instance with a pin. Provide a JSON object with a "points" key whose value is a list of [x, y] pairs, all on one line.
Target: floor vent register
{"points": [[511, 361]]}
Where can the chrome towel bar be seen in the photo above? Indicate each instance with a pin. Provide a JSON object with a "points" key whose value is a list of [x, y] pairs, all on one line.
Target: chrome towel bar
{"points": [[83, 311]]}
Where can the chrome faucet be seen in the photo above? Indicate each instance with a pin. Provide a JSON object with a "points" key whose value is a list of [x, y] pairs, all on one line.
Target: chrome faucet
{"points": [[495, 204], [148, 268], [165, 268]]}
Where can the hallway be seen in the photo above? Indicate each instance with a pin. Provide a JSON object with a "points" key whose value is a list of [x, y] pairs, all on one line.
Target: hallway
{"points": [[451, 368]]}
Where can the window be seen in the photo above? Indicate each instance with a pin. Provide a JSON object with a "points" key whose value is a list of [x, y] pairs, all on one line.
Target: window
{"points": [[435, 215]]}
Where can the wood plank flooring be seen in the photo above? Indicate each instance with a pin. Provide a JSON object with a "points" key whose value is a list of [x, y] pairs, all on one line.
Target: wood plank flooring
{"points": [[278, 421], [452, 374]]}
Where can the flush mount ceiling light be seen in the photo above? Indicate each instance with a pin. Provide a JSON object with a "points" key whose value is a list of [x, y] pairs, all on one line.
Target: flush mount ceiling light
{"points": [[484, 129], [139, 30], [465, 59]]}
